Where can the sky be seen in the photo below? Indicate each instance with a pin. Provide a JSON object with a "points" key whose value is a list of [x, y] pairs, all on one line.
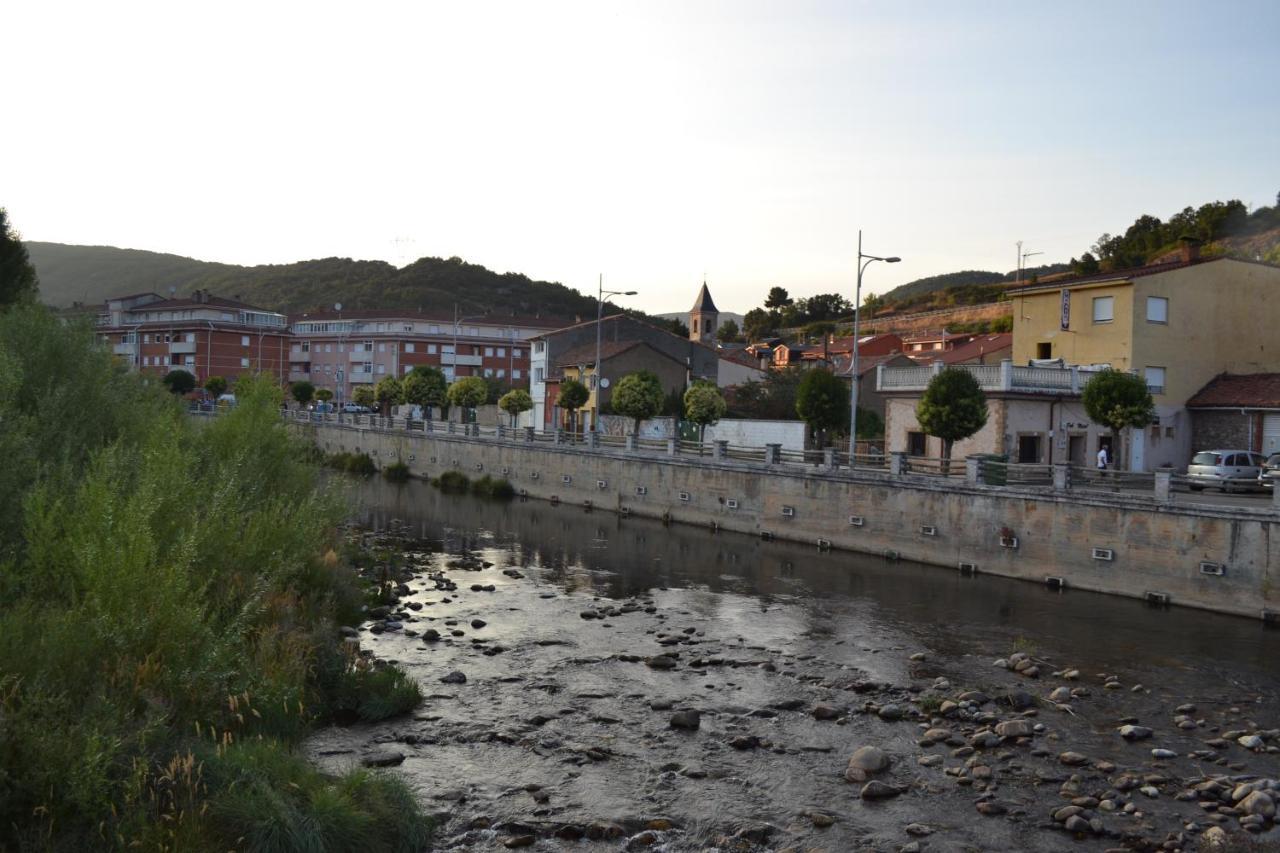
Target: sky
{"points": [[653, 143]]}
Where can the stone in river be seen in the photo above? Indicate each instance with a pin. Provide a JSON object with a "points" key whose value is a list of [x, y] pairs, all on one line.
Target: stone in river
{"points": [[825, 712], [1072, 759], [877, 790], [686, 719], [455, 677], [384, 757], [515, 841], [865, 762], [1163, 754], [1258, 803], [1251, 742], [890, 712], [661, 662], [1015, 728], [478, 623], [1134, 732]]}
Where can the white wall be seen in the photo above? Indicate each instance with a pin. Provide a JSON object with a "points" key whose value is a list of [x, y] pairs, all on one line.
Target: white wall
{"points": [[732, 373], [745, 433]]}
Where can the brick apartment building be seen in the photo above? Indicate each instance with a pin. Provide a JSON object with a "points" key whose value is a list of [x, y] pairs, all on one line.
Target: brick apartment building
{"points": [[203, 334], [341, 350]]}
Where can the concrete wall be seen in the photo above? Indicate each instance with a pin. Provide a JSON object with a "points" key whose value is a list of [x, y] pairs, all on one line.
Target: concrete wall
{"points": [[744, 433], [1155, 549]]}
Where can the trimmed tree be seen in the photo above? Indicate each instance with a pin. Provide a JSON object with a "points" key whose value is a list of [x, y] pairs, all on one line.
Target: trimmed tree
{"points": [[302, 391], [179, 382], [362, 395], [703, 404], [573, 396], [638, 396], [324, 395], [952, 408], [822, 401], [425, 387], [388, 392], [215, 386], [468, 392], [1118, 400], [515, 402]]}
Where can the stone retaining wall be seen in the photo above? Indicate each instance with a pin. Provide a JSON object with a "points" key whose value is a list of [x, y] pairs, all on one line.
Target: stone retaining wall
{"points": [[1144, 550]]}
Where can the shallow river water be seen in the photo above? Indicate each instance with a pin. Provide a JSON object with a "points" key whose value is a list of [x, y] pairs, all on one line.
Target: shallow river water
{"points": [[565, 730]]}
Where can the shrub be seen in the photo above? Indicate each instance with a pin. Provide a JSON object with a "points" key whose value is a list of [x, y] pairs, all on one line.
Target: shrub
{"points": [[359, 464], [396, 472], [452, 481], [493, 487]]}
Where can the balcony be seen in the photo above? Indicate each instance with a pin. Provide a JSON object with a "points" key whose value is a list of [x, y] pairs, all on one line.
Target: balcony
{"points": [[299, 357], [991, 377], [461, 360], [299, 376], [125, 349], [360, 355], [182, 348]]}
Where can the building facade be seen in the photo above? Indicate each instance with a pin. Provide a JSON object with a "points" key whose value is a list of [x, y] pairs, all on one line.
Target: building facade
{"points": [[203, 334]]}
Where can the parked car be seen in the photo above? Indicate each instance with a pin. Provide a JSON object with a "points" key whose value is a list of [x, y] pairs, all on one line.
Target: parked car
{"points": [[322, 408], [1224, 469], [355, 409], [1270, 471]]}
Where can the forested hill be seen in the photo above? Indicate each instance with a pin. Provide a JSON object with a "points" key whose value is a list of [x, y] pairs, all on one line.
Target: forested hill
{"points": [[91, 274]]}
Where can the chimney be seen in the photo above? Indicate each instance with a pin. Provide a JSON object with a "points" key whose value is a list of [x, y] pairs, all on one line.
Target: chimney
{"points": [[1190, 249]]}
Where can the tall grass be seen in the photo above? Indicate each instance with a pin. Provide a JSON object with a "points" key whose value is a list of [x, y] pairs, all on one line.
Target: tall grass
{"points": [[167, 606]]}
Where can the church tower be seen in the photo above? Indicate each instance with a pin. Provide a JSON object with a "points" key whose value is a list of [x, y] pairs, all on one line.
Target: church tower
{"points": [[704, 318]]}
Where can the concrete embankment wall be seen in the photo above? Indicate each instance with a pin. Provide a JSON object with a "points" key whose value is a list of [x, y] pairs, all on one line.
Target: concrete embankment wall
{"points": [[945, 523]]}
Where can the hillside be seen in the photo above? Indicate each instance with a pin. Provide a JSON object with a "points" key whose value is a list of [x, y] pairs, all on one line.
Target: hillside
{"points": [[91, 274]]}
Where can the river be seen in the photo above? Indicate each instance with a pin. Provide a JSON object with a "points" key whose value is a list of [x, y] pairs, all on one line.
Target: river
{"points": [[563, 726]]}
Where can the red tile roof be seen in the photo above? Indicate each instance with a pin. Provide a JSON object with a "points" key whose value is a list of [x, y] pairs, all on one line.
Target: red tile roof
{"points": [[1239, 391], [1125, 275]]}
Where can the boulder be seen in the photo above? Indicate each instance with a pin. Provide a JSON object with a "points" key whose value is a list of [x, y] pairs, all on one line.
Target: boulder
{"points": [[865, 762]]}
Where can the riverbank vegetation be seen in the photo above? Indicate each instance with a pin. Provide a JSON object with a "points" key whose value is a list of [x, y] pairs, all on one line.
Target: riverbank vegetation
{"points": [[170, 598]]}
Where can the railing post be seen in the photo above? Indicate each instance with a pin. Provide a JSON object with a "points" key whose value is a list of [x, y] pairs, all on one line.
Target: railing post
{"points": [[1275, 498], [1006, 375], [633, 442], [1061, 476], [672, 446], [502, 431], [773, 454], [719, 449], [879, 377], [973, 470], [557, 437], [1075, 379], [528, 434], [1164, 483], [829, 458], [936, 368], [897, 463], [593, 439]]}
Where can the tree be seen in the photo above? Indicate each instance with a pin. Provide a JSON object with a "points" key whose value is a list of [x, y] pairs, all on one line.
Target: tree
{"points": [[777, 298], [362, 395], [179, 382], [515, 402], [388, 392], [216, 386], [703, 404], [678, 327], [18, 281], [573, 396], [759, 323], [302, 391], [324, 395], [468, 392], [1087, 265], [728, 332], [952, 408], [425, 387], [638, 396], [822, 400], [1118, 400]]}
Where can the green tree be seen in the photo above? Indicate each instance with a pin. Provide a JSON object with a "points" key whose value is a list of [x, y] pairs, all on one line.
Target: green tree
{"points": [[728, 332], [514, 402], [1118, 400], [952, 408], [638, 396], [302, 391], [179, 382], [777, 298], [388, 392], [704, 405], [216, 386], [324, 395], [573, 396], [426, 387], [467, 393], [870, 424], [678, 327], [822, 401], [17, 276], [759, 323], [362, 395]]}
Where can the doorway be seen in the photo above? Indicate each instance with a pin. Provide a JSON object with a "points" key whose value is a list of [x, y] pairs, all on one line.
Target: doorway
{"points": [[1075, 450], [1028, 449]]}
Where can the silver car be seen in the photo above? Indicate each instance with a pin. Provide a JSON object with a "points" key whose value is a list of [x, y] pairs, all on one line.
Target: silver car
{"points": [[1224, 469]]}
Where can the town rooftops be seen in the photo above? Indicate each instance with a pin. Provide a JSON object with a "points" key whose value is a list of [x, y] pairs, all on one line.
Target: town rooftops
{"points": [[704, 303], [1239, 391], [1126, 275], [442, 316], [586, 354], [200, 299], [970, 351]]}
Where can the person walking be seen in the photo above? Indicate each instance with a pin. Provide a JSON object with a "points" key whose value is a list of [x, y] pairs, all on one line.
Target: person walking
{"points": [[1102, 458]]}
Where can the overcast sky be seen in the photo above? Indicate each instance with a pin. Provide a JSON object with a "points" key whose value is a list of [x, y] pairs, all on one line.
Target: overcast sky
{"points": [[654, 142]]}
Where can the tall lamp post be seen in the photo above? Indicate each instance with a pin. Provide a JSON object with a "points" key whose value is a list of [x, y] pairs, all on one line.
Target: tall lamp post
{"points": [[601, 293], [457, 325], [864, 261]]}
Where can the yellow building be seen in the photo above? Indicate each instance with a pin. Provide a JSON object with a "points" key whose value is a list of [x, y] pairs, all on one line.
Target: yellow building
{"points": [[1177, 324]]}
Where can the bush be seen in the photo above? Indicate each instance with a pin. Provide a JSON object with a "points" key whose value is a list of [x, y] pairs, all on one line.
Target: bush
{"points": [[359, 464], [452, 481], [493, 487], [396, 472]]}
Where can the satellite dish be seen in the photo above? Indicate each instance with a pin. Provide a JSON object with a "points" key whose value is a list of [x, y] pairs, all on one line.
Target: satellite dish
{"points": [[604, 383], [337, 306]]}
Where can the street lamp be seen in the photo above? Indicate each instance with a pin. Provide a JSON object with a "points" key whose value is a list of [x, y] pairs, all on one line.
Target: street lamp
{"points": [[853, 366], [457, 324], [601, 293]]}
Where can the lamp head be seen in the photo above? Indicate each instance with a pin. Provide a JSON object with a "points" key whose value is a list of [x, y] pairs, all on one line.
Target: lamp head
{"points": [[892, 260], [630, 293]]}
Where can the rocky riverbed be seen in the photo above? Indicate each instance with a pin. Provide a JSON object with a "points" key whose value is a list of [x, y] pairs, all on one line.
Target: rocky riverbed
{"points": [[566, 710]]}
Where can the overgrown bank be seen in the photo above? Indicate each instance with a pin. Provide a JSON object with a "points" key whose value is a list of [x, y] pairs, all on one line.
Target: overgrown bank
{"points": [[170, 599]]}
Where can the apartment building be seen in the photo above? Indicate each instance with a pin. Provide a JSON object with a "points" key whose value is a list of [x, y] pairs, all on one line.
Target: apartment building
{"points": [[205, 335], [339, 350]]}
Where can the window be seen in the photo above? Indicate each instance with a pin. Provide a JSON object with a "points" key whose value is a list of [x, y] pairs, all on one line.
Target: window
{"points": [[488, 352], [473, 331], [695, 326], [502, 374], [539, 346], [915, 444], [244, 362], [1044, 349], [431, 349], [515, 374], [408, 368], [1155, 379], [189, 361], [447, 349], [516, 353], [306, 346], [244, 340], [502, 352], [191, 337], [382, 368], [408, 327], [435, 330], [146, 339], [341, 348], [488, 372], [382, 347], [1104, 309], [537, 374], [1157, 309], [408, 348]]}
